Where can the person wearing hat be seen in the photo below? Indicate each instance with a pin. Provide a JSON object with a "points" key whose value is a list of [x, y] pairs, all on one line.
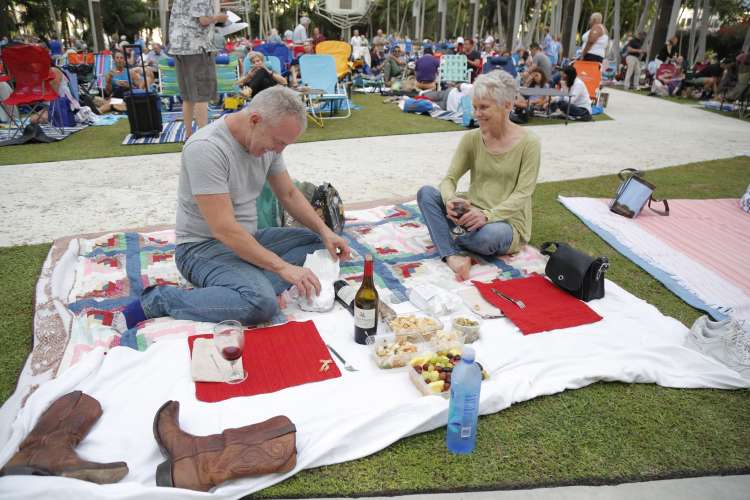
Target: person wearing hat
{"points": [[459, 47]]}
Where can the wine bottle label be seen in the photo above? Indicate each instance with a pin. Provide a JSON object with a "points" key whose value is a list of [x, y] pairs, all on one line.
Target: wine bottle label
{"points": [[364, 318], [346, 293]]}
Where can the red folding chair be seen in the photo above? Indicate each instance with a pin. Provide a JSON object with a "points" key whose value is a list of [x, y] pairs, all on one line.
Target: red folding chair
{"points": [[30, 70]]}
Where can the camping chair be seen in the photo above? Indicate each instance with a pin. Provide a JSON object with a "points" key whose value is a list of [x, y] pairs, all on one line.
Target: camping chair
{"points": [[82, 66], [501, 63], [590, 73], [29, 68], [341, 52], [168, 86], [454, 68], [227, 76], [278, 50], [102, 66], [318, 75]]}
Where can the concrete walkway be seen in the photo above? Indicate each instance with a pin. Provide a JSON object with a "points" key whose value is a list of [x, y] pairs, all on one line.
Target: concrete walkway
{"points": [[43, 201], [702, 488]]}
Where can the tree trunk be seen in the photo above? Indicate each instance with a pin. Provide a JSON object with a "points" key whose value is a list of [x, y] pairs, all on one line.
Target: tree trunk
{"points": [[509, 31], [475, 20], [693, 29], [746, 43], [574, 28], [644, 17], [663, 17], [705, 17], [500, 20], [606, 14], [672, 28], [458, 18], [531, 34], [615, 47]]}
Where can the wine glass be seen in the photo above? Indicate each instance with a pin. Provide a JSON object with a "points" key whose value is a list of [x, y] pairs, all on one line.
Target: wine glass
{"points": [[460, 208], [229, 339]]}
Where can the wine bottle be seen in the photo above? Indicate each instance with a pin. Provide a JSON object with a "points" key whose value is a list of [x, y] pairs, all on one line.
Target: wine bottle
{"points": [[366, 306], [345, 294]]}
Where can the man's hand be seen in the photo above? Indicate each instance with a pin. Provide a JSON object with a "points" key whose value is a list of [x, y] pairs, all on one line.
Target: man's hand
{"points": [[451, 208], [221, 18], [473, 219], [336, 245], [122, 83], [304, 279]]}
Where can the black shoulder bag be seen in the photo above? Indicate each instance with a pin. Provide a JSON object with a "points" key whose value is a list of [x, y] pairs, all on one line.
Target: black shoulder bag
{"points": [[574, 271]]}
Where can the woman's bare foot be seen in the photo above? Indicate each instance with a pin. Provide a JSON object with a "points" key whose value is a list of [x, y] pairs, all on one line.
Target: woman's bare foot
{"points": [[461, 265]]}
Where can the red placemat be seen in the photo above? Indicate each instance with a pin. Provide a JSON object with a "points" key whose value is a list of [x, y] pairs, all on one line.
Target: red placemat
{"points": [[275, 358], [547, 307]]}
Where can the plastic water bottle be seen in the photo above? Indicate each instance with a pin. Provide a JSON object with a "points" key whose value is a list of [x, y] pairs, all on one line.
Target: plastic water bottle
{"points": [[463, 412]]}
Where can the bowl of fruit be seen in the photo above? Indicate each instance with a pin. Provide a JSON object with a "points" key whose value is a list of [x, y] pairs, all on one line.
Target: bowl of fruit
{"points": [[469, 327], [431, 371], [392, 352]]}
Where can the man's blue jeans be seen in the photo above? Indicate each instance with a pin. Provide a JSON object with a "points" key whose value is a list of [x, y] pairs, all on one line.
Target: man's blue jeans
{"points": [[228, 287], [490, 239]]}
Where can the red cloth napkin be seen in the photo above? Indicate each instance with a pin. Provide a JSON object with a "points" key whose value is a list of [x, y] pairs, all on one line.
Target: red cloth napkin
{"points": [[547, 307], [275, 358]]}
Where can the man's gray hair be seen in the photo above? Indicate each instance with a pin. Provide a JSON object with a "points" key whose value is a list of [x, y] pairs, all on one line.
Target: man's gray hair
{"points": [[496, 85], [276, 102], [597, 17]]}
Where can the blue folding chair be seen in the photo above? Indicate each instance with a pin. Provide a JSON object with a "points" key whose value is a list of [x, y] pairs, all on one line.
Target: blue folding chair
{"points": [[278, 50], [502, 63], [322, 89]]}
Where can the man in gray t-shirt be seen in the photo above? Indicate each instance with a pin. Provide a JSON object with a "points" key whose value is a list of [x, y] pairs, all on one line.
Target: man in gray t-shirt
{"points": [[238, 270], [540, 61]]}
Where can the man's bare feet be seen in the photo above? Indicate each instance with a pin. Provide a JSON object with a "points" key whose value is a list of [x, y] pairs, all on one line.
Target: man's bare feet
{"points": [[461, 265]]}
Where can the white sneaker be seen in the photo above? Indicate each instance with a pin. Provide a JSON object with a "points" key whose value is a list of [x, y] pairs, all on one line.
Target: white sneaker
{"points": [[725, 341]]}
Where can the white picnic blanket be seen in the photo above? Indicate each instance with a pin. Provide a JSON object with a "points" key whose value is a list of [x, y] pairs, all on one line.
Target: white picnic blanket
{"points": [[354, 415]]}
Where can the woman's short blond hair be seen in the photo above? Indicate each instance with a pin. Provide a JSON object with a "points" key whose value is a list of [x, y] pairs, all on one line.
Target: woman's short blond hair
{"points": [[497, 86], [255, 55], [596, 17]]}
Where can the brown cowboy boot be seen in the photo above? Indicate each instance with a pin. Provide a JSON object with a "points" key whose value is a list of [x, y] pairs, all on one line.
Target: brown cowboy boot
{"points": [[49, 450], [202, 462]]}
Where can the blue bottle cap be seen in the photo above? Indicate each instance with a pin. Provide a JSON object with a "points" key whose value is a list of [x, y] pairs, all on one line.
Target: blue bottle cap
{"points": [[468, 354]]}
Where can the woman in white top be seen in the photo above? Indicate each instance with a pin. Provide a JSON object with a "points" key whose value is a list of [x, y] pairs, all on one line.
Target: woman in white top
{"points": [[595, 40], [579, 106]]}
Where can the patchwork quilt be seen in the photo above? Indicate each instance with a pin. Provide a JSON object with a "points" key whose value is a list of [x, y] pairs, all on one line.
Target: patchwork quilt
{"points": [[85, 280]]}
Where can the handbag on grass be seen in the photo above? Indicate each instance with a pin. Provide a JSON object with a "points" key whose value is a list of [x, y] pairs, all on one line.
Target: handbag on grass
{"points": [[634, 192], [574, 271]]}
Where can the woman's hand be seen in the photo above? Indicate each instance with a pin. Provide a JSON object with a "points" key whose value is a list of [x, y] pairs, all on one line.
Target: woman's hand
{"points": [[450, 208], [473, 219]]}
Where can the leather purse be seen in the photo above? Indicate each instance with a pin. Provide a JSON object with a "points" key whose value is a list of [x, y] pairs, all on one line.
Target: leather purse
{"points": [[574, 271], [633, 194]]}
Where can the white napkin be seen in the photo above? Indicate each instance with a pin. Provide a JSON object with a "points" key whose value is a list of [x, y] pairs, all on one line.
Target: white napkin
{"points": [[207, 364], [326, 269], [474, 301]]}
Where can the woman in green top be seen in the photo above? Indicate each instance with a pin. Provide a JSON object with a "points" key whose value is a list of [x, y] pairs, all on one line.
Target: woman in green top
{"points": [[503, 161]]}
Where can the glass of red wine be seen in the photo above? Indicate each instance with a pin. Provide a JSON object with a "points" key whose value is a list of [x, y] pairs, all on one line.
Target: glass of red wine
{"points": [[229, 339], [460, 208]]}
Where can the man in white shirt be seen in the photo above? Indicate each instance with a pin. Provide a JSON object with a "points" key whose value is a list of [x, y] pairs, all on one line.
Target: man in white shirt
{"points": [[300, 32]]}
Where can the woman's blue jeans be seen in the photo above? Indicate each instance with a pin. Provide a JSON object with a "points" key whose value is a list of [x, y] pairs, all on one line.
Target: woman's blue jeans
{"points": [[490, 239]]}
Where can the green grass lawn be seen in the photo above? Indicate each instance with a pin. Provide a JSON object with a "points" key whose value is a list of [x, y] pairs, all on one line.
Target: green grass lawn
{"points": [[374, 119], [604, 433]]}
